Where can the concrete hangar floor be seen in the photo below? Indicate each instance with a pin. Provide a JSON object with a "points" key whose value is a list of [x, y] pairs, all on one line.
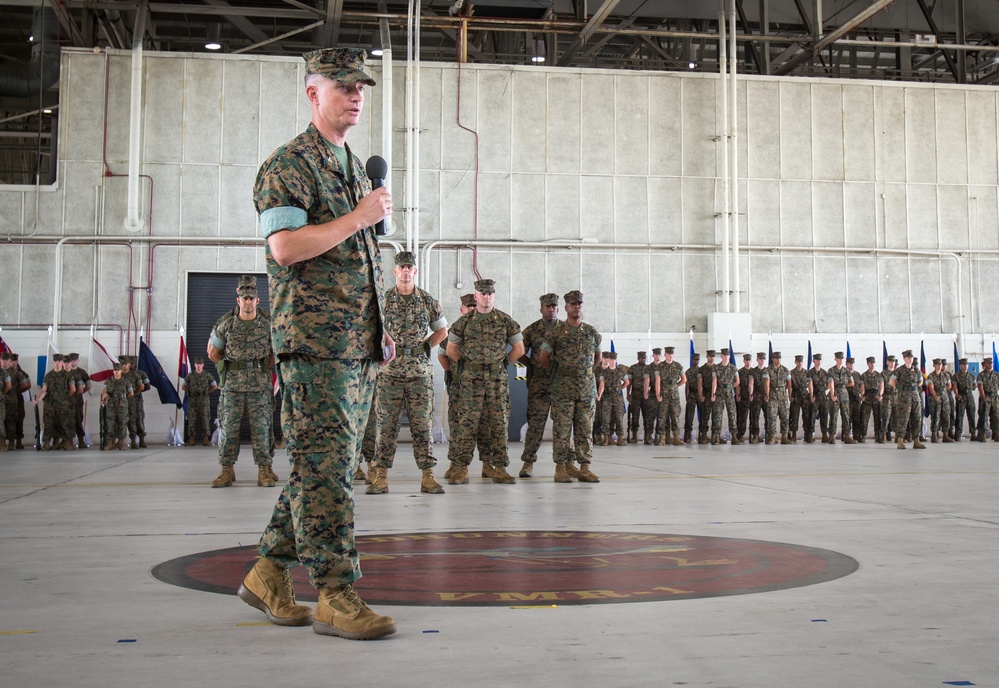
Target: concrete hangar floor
{"points": [[804, 565]]}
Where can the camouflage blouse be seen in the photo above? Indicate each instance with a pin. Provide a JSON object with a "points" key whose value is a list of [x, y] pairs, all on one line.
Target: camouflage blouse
{"points": [[410, 320], [245, 342]]}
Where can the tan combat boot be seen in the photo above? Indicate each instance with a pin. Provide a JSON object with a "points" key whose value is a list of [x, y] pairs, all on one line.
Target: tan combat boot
{"points": [[225, 477], [459, 476], [918, 443], [586, 475], [622, 441], [901, 443], [379, 483], [190, 441], [133, 441], [268, 587], [736, 441], [661, 441], [428, 484], [605, 442], [501, 476], [272, 474], [571, 469], [108, 445], [263, 477], [527, 470], [947, 437], [342, 613], [142, 442], [849, 440], [487, 470], [933, 438], [561, 476], [206, 441], [784, 439], [121, 443], [359, 474], [450, 471]]}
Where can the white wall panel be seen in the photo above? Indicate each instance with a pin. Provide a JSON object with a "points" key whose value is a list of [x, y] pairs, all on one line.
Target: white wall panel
{"points": [[240, 124], [665, 125], [565, 109], [237, 214], [920, 136], [631, 124], [200, 200], [951, 136], [762, 130], [494, 120], [529, 137], [670, 285], [763, 212], [164, 110], [827, 131], [631, 209], [895, 295], [631, 294], [597, 130], [700, 127], [81, 109], [981, 141], [890, 134], [665, 212], [766, 294], [921, 214], [795, 130], [859, 159], [798, 293], [494, 206], [562, 214], [862, 300], [528, 207], [830, 294], [860, 215], [202, 131], [795, 213], [827, 214], [597, 208]]}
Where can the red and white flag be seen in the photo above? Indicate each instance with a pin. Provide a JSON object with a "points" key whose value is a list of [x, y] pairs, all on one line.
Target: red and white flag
{"points": [[184, 366], [100, 362]]}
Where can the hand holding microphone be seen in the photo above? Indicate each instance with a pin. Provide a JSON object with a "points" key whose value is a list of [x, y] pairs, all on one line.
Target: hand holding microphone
{"points": [[377, 170]]}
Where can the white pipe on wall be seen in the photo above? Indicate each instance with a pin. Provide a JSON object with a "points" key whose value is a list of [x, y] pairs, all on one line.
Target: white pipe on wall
{"points": [[734, 129], [726, 213], [133, 218]]}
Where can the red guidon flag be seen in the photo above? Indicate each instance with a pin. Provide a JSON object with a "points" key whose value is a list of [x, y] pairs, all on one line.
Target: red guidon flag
{"points": [[100, 362]]}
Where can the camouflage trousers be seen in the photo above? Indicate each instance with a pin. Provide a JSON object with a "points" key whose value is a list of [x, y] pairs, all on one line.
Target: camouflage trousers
{"points": [[806, 410], [941, 414], [963, 406], [742, 407], [598, 421], [650, 414], [482, 414], [136, 420], [612, 414], [324, 408], [855, 416], [757, 407], [415, 396], [724, 402], [796, 416], [839, 408], [988, 412], [707, 409], [907, 414], [668, 424], [820, 409], [76, 404], [10, 418], [3, 418], [689, 416], [116, 418], [256, 406], [887, 414], [59, 421], [867, 407], [572, 423], [452, 424], [198, 417], [634, 413], [777, 411], [539, 404], [369, 441]]}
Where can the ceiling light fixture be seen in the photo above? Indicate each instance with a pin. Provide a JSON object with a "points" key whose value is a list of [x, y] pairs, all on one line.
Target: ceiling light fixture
{"points": [[214, 32]]}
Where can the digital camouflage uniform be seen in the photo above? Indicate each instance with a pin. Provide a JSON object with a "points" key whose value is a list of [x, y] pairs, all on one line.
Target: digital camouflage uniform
{"points": [[743, 402], [757, 406], [247, 389], [538, 395], [612, 401], [690, 411], [820, 408], [650, 405], [908, 409], [573, 389], [598, 418], [199, 386], [140, 404], [801, 404], [82, 381], [855, 402], [839, 401], [888, 405], [668, 423], [15, 403], [964, 402], [407, 384], [724, 376], [4, 382], [940, 407], [988, 404], [483, 404], [134, 380], [704, 404], [871, 380], [778, 375], [57, 414], [326, 331], [116, 408], [636, 392]]}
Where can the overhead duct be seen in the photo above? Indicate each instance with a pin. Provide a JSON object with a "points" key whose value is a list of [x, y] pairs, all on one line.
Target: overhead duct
{"points": [[42, 71]]}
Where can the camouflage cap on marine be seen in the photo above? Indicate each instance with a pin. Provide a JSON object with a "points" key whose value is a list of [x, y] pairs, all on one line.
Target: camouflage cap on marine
{"points": [[850, 359], [871, 359], [345, 65], [4, 356], [405, 258], [892, 359], [695, 357], [485, 286], [761, 354], [574, 296], [963, 361], [816, 357], [73, 357], [724, 352], [907, 353], [14, 356], [199, 361], [838, 355], [747, 357], [669, 350], [468, 300], [548, 299], [936, 361], [710, 353], [641, 355], [57, 357], [657, 351], [116, 366], [246, 285], [987, 361], [776, 354], [612, 355]]}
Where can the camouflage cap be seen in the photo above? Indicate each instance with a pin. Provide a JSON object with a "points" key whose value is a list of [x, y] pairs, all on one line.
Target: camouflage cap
{"points": [[116, 366], [73, 357], [199, 361], [612, 355], [798, 357], [850, 359], [892, 359], [574, 296], [642, 354], [907, 353], [963, 361], [58, 357], [987, 361], [747, 357], [4, 356], [838, 354], [485, 286], [246, 285], [761, 354], [724, 352], [405, 258], [657, 351], [669, 350], [345, 65], [695, 357], [14, 356], [816, 357], [871, 359], [776, 354], [548, 299], [710, 353], [937, 361], [468, 300]]}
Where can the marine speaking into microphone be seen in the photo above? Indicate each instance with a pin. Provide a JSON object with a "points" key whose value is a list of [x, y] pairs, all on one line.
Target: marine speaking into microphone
{"points": [[376, 169]]}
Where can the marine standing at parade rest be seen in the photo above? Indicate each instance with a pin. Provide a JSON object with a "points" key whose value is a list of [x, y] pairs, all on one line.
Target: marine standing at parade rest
{"points": [[198, 385], [240, 347], [539, 401], [57, 388], [820, 399], [317, 214], [757, 405], [415, 321], [650, 406], [573, 347], [82, 381], [478, 343], [114, 399], [872, 389], [801, 400], [724, 388], [889, 399], [139, 382], [612, 382], [964, 400], [839, 399], [690, 412], [5, 386], [705, 402], [669, 380], [907, 380], [938, 387], [776, 388], [19, 384], [988, 400], [743, 401], [637, 372], [853, 391]]}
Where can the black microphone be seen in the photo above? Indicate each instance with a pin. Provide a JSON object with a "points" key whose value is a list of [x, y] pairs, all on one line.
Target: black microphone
{"points": [[376, 169]]}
